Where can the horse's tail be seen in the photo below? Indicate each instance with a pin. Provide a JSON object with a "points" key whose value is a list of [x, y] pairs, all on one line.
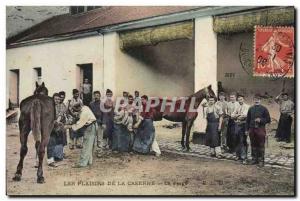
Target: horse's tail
{"points": [[35, 119]]}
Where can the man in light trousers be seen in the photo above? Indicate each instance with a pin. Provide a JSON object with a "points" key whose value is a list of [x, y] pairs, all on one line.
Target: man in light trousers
{"points": [[88, 125]]}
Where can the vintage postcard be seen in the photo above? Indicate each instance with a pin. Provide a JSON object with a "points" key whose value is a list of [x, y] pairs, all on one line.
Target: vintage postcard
{"points": [[150, 101]]}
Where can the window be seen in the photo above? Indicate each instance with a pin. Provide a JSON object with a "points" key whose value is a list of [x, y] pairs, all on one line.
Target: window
{"points": [[37, 75], [77, 9], [92, 7], [80, 9], [39, 72]]}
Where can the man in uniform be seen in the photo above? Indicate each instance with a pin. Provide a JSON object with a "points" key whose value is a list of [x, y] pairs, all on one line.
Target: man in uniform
{"points": [[108, 117], [95, 107], [257, 118]]}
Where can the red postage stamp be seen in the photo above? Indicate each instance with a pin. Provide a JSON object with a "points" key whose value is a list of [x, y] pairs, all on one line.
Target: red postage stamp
{"points": [[274, 51]]}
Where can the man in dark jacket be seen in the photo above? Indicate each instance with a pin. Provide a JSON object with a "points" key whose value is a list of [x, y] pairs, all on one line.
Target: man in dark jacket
{"points": [[95, 107], [258, 116]]}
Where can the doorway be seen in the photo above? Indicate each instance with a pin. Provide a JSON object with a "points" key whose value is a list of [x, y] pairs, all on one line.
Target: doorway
{"points": [[14, 88], [85, 72]]}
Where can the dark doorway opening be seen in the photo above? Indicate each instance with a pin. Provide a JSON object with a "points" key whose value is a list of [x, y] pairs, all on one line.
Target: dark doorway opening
{"points": [[14, 81], [86, 82]]}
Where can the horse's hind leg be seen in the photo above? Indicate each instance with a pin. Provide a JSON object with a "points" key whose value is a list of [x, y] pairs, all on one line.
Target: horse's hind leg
{"points": [[183, 134], [41, 153], [24, 131], [37, 145], [46, 129]]}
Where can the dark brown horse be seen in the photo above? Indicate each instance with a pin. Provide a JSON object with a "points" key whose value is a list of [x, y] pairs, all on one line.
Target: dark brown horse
{"points": [[187, 117], [37, 115]]}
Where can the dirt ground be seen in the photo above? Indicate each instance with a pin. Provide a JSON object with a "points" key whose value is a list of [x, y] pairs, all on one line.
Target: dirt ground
{"points": [[126, 174]]}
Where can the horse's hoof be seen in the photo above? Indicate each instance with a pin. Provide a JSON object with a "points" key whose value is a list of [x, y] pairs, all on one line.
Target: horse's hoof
{"points": [[183, 149], [17, 177], [40, 180]]}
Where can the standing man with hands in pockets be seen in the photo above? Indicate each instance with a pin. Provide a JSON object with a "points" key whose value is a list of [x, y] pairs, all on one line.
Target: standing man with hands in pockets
{"points": [[257, 118]]}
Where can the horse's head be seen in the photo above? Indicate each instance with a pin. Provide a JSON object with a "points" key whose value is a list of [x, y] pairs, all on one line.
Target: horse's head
{"points": [[209, 93], [40, 89], [204, 93]]}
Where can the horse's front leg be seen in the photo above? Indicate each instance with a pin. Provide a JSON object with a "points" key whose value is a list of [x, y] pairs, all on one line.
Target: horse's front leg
{"points": [[188, 131], [183, 134]]}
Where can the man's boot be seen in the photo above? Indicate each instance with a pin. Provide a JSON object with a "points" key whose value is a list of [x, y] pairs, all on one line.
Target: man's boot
{"points": [[254, 157], [261, 158]]}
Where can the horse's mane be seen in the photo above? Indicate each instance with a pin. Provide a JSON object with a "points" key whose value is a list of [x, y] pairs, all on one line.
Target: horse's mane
{"points": [[197, 93]]}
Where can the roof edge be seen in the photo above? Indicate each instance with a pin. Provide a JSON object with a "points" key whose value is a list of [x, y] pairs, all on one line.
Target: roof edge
{"points": [[147, 22]]}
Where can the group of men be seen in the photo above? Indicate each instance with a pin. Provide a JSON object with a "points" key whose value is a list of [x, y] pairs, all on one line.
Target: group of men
{"points": [[89, 124], [229, 123]]}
